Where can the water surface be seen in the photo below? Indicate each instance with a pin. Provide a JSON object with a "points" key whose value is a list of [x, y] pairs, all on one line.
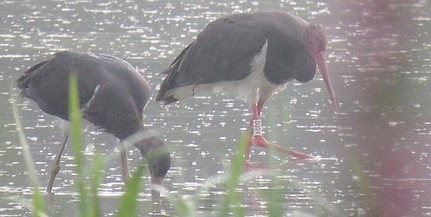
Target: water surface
{"points": [[379, 60]]}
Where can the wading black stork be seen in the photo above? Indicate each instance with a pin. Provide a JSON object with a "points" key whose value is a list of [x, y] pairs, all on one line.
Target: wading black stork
{"points": [[251, 55], [112, 96]]}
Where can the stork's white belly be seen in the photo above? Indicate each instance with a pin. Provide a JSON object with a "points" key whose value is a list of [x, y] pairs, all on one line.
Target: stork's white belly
{"points": [[251, 88]]}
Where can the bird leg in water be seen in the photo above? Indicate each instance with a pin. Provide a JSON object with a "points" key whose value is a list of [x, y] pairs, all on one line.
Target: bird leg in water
{"points": [[55, 168], [257, 138], [125, 172]]}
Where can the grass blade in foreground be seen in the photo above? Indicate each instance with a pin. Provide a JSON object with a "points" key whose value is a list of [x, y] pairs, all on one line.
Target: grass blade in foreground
{"points": [[275, 201], [38, 207], [232, 198], [365, 185], [128, 202], [96, 175], [76, 140]]}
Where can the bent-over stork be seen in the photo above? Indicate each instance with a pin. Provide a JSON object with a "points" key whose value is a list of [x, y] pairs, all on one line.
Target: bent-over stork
{"points": [[112, 96]]}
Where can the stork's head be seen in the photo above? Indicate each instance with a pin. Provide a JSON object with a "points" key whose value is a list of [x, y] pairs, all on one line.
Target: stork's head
{"points": [[317, 41]]}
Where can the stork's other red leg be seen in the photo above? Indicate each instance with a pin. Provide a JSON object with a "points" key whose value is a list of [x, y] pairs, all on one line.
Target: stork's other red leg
{"points": [[55, 168], [257, 138], [256, 110]]}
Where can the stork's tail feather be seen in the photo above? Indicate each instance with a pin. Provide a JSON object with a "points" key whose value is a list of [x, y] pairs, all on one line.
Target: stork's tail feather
{"points": [[167, 85], [24, 79]]}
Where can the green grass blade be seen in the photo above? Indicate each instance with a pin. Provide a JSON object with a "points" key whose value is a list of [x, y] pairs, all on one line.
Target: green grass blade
{"points": [[76, 140], [95, 180], [365, 186], [232, 198], [185, 207], [38, 203], [75, 120], [274, 202], [128, 205], [38, 206]]}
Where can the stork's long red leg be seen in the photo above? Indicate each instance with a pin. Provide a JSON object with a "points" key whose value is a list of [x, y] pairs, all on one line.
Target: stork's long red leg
{"points": [[256, 109]]}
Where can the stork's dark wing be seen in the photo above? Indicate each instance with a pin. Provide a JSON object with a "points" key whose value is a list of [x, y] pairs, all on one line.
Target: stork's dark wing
{"points": [[223, 51]]}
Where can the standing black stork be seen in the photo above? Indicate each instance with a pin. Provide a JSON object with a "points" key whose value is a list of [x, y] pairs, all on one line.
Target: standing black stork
{"points": [[251, 55], [112, 96]]}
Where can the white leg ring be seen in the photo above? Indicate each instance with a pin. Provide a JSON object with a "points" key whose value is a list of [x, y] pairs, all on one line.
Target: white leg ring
{"points": [[257, 127]]}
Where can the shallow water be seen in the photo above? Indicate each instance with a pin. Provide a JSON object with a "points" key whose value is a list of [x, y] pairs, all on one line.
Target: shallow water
{"points": [[378, 54]]}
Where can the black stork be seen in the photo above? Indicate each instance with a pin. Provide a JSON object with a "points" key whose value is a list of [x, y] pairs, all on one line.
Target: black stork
{"points": [[252, 55], [112, 95]]}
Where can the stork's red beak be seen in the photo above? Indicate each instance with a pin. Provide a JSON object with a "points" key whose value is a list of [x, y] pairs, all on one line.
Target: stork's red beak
{"points": [[321, 63]]}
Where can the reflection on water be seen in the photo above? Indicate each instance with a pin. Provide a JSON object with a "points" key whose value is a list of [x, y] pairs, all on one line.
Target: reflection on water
{"points": [[379, 60]]}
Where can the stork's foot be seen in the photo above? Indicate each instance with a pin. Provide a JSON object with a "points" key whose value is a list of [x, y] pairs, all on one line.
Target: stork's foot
{"points": [[260, 141]]}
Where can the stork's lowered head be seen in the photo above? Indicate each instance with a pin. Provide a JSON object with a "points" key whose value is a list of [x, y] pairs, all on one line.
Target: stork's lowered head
{"points": [[158, 159]]}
